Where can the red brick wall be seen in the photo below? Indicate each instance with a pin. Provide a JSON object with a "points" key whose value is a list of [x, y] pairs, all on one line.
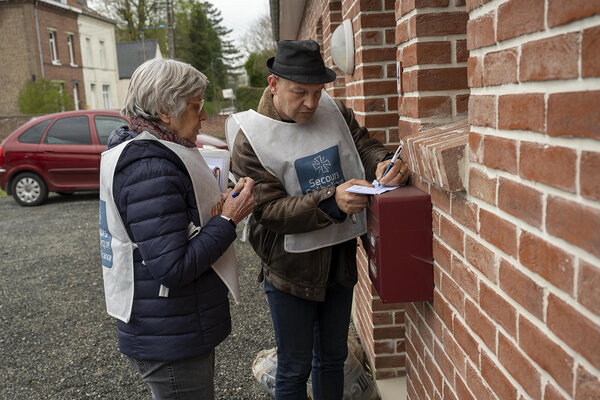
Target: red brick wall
{"points": [[215, 126], [432, 50], [516, 310], [20, 51], [63, 21], [381, 327]]}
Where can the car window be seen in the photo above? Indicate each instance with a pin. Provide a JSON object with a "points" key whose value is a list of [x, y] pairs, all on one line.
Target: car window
{"points": [[70, 130], [35, 133], [105, 125]]}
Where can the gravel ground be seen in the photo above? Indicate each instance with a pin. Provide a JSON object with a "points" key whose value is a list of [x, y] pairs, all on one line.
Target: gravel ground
{"points": [[57, 341]]}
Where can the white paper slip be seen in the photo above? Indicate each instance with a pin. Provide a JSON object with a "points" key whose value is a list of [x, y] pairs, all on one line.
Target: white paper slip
{"points": [[370, 190], [218, 162]]}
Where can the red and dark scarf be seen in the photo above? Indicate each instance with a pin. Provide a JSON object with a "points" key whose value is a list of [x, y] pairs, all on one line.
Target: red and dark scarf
{"points": [[140, 125]]}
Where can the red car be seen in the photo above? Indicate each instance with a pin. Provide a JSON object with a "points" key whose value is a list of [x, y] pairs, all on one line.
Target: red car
{"points": [[61, 153]]}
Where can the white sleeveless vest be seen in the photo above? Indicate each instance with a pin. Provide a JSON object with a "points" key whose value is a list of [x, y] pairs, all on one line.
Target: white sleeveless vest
{"points": [[305, 157], [117, 248]]}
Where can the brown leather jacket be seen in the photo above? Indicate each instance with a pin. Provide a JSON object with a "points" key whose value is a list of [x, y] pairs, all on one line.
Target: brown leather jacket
{"points": [[275, 214]]}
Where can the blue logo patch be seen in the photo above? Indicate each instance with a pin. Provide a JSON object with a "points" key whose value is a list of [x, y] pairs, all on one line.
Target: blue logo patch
{"points": [[105, 238], [319, 170]]}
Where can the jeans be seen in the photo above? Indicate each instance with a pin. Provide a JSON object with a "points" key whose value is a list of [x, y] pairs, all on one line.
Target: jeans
{"points": [[187, 379], [310, 334]]}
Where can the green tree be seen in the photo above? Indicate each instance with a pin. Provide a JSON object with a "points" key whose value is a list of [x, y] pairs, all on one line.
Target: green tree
{"points": [[248, 97], [202, 41], [256, 68], [132, 15], [198, 41], [200, 37], [230, 54], [259, 38], [260, 46], [43, 97]]}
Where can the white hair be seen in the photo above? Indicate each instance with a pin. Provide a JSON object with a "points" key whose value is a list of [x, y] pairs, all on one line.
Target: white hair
{"points": [[162, 85]]}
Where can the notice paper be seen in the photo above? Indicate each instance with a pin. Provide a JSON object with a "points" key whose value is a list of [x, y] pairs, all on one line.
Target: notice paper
{"points": [[376, 189], [218, 162]]}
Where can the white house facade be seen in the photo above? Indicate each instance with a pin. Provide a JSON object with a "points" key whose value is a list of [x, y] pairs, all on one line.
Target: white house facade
{"points": [[99, 55]]}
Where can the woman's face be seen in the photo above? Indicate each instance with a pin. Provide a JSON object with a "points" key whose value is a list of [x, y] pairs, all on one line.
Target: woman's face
{"points": [[190, 122]]}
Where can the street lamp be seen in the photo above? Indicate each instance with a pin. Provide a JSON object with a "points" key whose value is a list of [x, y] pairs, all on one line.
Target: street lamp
{"points": [[212, 70], [142, 29]]}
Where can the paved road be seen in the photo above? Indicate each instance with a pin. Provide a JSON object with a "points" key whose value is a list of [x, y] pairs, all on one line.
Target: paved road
{"points": [[56, 340]]}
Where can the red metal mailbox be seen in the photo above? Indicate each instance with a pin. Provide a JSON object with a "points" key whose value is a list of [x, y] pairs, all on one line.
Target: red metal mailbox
{"points": [[399, 245]]}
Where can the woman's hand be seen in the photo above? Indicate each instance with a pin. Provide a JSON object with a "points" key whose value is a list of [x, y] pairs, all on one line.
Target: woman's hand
{"points": [[238, 207]]}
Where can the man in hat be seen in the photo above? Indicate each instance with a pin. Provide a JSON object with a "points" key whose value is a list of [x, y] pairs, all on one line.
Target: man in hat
{"points": [[307, 149]]}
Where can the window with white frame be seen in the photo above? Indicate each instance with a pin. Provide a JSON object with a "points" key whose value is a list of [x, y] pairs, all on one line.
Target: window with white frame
{"points": [[88, 52], [102, 55], [93, 95], [76, 95], [106, 96], [53, 52], [61, 88], [70, 46]]}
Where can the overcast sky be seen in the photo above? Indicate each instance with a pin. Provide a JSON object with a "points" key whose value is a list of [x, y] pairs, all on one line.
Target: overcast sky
{"points": [[239, 15]]}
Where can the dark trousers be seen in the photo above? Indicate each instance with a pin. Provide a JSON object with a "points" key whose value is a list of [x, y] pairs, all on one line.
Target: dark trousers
{"points": [[188, 379], [310, 335]]}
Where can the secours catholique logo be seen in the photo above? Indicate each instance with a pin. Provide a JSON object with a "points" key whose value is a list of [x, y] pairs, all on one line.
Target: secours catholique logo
{"points": [[319, 170], [321, 165], [105, 238]]}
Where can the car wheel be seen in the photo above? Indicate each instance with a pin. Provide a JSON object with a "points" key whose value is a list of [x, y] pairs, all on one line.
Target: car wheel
{"points": [[29, 189]]}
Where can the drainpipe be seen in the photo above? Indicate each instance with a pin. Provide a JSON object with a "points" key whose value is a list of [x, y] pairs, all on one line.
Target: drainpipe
{"points": [[274, 8], [37, 29]]}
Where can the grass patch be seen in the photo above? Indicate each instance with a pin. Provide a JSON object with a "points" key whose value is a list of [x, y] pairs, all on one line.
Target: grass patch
{"points": [[2, 193]]}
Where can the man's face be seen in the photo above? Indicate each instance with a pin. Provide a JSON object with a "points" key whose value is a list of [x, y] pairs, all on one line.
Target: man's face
{"points": [[295, 101]]}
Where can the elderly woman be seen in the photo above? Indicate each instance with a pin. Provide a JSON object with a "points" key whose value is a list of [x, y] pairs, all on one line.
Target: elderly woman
{"points": [[166, 234]]}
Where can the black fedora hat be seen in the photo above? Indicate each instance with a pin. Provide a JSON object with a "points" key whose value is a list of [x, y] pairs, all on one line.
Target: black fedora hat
{"points": [[300, 61]]}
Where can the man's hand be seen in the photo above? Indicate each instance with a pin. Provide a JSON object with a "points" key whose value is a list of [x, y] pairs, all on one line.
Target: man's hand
{"points": [[351, 203], [396, 176], [237, 208]]}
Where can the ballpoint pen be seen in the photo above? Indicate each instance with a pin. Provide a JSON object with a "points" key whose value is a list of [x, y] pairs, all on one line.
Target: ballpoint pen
{"points": [[236, 194], [394, 158]]}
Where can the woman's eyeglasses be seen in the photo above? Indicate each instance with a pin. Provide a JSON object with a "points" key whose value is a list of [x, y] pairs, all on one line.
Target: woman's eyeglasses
{"points": [[199, 104]]}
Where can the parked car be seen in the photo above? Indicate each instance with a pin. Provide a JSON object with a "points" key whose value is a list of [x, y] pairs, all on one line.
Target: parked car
{"points": [[61, 153], [204, 140]]}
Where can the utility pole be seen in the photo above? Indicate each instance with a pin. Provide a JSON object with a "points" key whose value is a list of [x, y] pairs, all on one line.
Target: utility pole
{"points": [[214, 82], [170, 29], [143, 43]]}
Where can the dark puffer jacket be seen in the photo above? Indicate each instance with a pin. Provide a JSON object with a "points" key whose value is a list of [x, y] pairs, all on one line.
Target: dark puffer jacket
{"points": [[155, 198]]}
